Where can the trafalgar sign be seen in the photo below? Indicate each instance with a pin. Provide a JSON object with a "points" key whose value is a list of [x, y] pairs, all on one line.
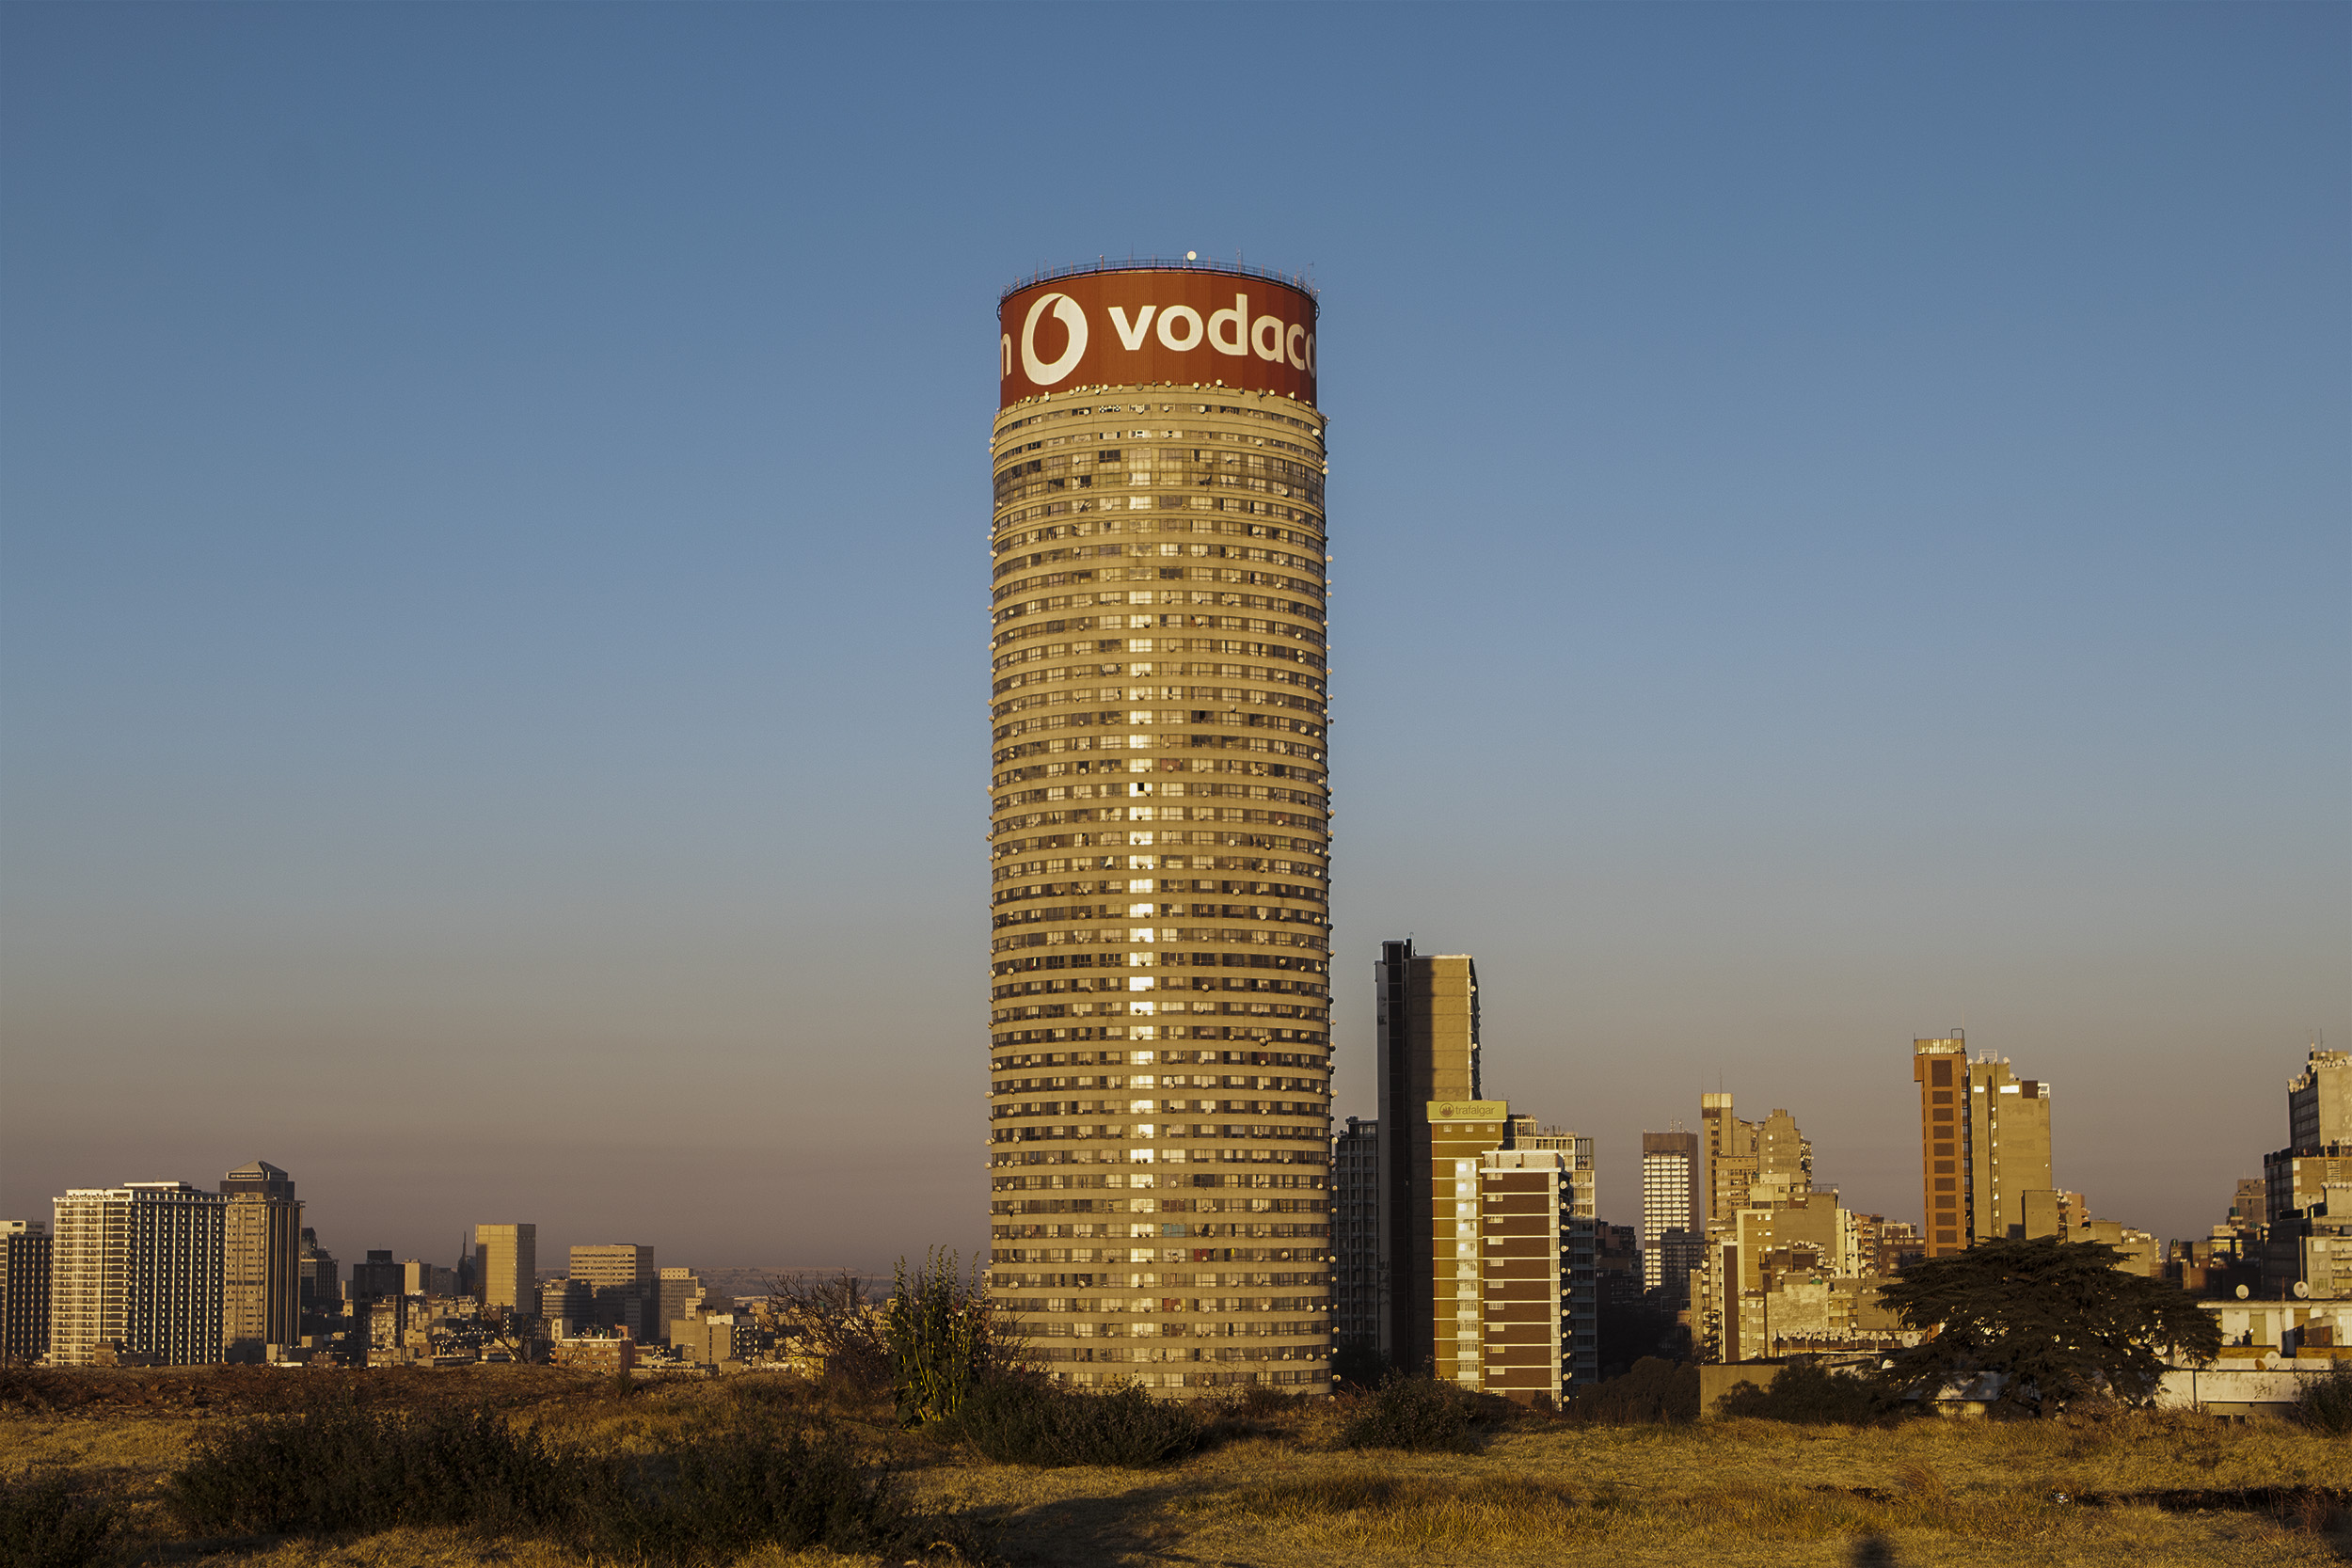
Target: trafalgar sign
{"points": [[1127, 328]]}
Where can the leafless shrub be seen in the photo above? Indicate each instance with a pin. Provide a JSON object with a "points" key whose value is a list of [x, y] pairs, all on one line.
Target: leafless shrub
{"points": [[834, 1319]]}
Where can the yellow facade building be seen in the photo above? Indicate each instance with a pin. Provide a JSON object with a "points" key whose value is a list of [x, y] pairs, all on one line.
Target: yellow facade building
{"points": [[1159, 1024]]}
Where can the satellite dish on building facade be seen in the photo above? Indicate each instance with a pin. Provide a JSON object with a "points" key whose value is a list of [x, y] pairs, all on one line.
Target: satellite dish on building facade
{"points": [[2243, 1293], [2302, 1289]]}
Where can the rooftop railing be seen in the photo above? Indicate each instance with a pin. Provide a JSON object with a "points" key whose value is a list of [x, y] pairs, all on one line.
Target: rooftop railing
{"points": [[1236, 268]]}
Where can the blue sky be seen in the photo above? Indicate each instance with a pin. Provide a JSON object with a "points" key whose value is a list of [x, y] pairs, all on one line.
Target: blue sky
{"points": [[1841, 534]]}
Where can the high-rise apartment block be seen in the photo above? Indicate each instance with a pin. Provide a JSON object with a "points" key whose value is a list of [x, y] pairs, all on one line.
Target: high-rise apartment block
{"points": [[506, 1267], [1513, 1310], [1516, 1331], [1674, 1211], [135, 1276], [1160, 1011], [1741, 1154], [1582, 1245], [1358, 1297], [1475, 1228], [1449, 1287], [1985, 1145], [24, 1271], [1783, 1155], [260, 1305], [1426, 1025]]}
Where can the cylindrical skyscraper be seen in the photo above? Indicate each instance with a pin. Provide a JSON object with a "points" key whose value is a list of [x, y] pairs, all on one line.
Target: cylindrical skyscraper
{"points": [[1159, 1053]]}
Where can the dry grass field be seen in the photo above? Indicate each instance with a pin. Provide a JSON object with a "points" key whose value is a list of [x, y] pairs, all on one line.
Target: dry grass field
{"points": [[1280, 1491]]}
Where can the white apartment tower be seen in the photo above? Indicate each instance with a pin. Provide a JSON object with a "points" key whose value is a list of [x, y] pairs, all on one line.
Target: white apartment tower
{"points": [[135, 1276]]}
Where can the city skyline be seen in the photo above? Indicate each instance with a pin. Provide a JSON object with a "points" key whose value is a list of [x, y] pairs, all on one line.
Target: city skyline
{"points": [[491, 718]]}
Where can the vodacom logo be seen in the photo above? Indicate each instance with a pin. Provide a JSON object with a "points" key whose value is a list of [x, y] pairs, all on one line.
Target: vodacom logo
{"points": [[1178, 328], [1066, 311]]}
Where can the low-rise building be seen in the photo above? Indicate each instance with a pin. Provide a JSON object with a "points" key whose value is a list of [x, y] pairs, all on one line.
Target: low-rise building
{"points": [[714, 1339], [597, 1354]]}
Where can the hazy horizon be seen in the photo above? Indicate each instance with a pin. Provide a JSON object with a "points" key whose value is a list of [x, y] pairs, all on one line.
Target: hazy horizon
{"points": [[1840, 520]]}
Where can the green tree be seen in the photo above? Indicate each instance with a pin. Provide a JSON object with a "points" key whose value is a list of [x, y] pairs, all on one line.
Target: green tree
{"points": [[942, 1332], [2057, 1316]]}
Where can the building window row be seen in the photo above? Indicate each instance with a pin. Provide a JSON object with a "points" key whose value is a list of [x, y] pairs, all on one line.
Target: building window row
{"points": [[1132, 621], [1128, 817], [1246, 766], [1144, 1205], [1230, 695], [1158, 669], [1197, 549], [1066, 1328], [1145, 1058], [1154, 1107], [1091, 478], [1135, 599], [1157, 1155], [1256, 1033], [1146, 958], [1257, 865], [1312, 429], [1169, 1131], [1110, 719], [1090, 578], [1264, 520], [1095, 449], [1161, 1009], [1050, 986], [1306, 659]]}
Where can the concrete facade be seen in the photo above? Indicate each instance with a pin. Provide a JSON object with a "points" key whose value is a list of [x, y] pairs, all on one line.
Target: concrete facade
{"points": [[1523, 1346], [1448, 1294], [1732, 1156], [1159, 1118], [1985, 1145]]}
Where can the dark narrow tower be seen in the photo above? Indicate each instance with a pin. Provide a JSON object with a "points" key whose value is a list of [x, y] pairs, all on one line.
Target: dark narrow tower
{"points": [[1159, 1040], [1428, 1051]]}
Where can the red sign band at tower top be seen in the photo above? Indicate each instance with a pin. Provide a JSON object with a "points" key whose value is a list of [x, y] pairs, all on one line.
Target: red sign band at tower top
{"points": [[1151, 326]]}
